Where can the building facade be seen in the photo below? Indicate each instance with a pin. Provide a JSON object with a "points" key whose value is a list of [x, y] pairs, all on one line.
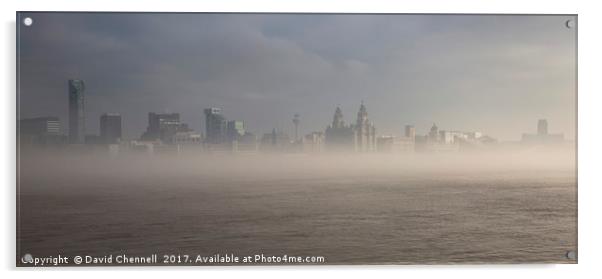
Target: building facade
{"points": [[365, 133], [542, 136], [110, 128], [39, 130], [77, 119], [163, 126], [215, 126], [360, 137]]}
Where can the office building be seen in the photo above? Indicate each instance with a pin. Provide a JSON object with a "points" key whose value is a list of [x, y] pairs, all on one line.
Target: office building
{"points": [[39, 130], [110, 128], [163, 126], [77, 119], [215, 126]]}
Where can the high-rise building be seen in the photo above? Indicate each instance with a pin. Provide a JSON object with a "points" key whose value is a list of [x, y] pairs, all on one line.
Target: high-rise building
{"points": [[77, 119], [110, 128], [215, 126], [542, 127]]}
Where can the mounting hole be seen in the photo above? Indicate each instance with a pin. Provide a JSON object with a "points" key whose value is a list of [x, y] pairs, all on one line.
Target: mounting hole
{"points": [[28, 21], [569, 24], [27, 258], [571, 255]]}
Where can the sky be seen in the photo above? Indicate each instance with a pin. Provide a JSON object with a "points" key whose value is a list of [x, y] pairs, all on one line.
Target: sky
{"points": [[497, 74]]}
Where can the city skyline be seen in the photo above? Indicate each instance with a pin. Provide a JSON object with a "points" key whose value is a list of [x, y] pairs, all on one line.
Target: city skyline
{"points": [[356, 139], [219, 129], [497, 98]]}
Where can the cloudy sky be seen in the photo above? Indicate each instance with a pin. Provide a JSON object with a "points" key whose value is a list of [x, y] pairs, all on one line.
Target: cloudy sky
{"points": [[495, 74]]}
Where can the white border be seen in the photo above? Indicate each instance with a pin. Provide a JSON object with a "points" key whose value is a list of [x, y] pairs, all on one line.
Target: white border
{"points": [[589, 134]]}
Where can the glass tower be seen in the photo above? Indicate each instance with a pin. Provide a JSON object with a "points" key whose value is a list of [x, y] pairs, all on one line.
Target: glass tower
{"points": [[77, 119]]}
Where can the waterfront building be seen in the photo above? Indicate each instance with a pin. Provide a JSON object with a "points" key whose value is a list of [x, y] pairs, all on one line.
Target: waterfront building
{"points": [[360, 137], [77, 119], [215, 126], [39, 130], [542, 136], [110, 128]]}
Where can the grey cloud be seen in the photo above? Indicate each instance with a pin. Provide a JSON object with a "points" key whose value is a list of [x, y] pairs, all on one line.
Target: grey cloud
{"points": [[497, 74]]}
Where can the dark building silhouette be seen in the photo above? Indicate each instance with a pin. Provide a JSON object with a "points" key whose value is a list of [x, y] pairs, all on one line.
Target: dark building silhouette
{"points": [[338, 136], [215, 126], [360, 137], [163, 127], [542, 136], [365, 133], [77, 119], [110, 128], [40, 130]]}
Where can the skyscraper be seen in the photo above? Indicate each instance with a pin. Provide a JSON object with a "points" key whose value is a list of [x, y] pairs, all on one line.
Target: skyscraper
{"points": [[215, 126], [77, 119], [110, 128]]}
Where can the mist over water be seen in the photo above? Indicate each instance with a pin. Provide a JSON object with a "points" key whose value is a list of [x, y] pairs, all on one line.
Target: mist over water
{"points": [[491, 207]]}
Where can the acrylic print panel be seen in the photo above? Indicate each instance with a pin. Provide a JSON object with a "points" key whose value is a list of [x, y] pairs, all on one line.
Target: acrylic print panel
{"points": [[295, 139]]}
